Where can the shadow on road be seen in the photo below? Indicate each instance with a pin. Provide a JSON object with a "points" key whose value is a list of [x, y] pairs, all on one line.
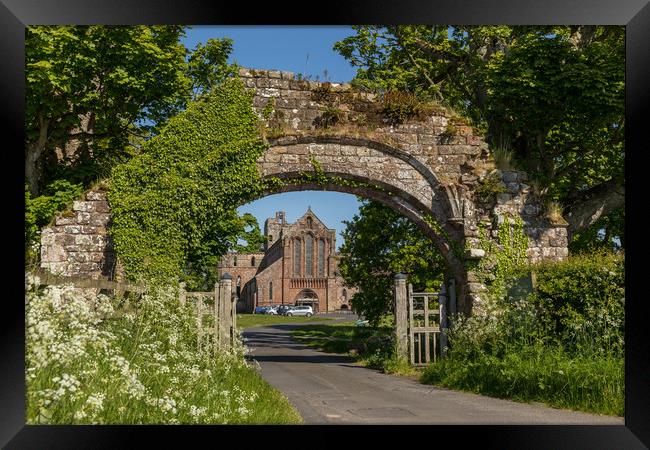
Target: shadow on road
{"points": [[322, 358]]}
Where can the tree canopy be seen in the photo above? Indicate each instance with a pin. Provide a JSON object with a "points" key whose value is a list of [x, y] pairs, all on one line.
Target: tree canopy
{"points": [[551, 97], [379, 243]]}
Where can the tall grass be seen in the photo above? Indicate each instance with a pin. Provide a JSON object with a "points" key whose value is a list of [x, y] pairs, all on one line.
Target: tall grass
{"points": [[562, 345], [538, 373], [92, 359]]}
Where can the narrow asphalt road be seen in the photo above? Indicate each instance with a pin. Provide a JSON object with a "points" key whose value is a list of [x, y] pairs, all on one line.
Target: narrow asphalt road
{"points": [[331, 389]]}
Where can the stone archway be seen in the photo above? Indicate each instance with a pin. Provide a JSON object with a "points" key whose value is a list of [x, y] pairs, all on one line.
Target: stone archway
{"points": [[307, 297], [428, 169]]}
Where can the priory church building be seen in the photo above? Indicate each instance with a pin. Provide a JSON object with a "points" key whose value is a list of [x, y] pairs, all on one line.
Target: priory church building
{"points": [[299, 266]]}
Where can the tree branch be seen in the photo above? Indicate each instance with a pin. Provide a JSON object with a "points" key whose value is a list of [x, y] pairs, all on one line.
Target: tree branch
{"points": [[589, 206]]}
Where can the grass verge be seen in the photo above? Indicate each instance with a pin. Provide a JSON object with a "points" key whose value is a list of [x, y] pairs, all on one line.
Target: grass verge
{"points": [[261, 320], [592, 384]]}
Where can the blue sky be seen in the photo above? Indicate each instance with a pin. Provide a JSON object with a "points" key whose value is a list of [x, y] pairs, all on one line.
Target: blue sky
{"points": [[298, 49]]}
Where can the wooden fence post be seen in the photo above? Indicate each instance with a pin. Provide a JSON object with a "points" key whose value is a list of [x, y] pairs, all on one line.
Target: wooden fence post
{"points": [[182, 296], [225, 309], [217, 319], [442, 302], [400, 311], [233, 319], [199, 320]]}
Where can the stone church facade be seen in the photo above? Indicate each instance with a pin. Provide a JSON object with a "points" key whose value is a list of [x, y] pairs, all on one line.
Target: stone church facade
{"points": [[299, 266]]}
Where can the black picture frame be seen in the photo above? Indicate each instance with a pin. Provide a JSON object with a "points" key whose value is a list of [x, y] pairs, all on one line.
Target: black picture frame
{"points": [[634, 14]]}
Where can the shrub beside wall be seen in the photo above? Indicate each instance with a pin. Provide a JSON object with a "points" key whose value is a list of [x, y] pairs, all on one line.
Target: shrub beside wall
{"points": [[562, 345]]}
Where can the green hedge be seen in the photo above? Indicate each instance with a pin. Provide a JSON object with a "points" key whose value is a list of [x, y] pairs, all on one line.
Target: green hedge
{"points": [[582, 299], [562, 345]]}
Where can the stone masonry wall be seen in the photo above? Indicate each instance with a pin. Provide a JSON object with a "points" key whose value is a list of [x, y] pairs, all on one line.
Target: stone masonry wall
{"points": [[302, 106], [78, 243]]}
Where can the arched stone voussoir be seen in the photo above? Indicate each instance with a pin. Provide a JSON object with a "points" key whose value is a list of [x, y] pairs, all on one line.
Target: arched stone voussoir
{"points": [[359, 141], [356, 157]]}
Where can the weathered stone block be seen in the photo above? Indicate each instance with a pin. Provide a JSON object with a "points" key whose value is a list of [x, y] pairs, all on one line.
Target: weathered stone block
{"points": [[513, 188], [65, 221], [474, 140], [299, 85], [85, 229], [278, 83], [509, 176], [101, 207], [64, 238], [96, 196], [548, 252], [79, 205], [268, 92], [274, 74], [287, 75], [456, 160], [474, 253], [83, 239], [72, 229], [99, 219], [47, 239], [89, 267], [53, 253], [503, 197]]}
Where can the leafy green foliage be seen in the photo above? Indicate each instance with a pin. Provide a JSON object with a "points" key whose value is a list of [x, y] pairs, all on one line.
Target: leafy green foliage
{"points": [[378, 244], [40, 210], [175, 203], [583, 300], [96, 91], [504, 260], [488, 187], [562, 344], [551, 95], [208, 65], [254, 238]]}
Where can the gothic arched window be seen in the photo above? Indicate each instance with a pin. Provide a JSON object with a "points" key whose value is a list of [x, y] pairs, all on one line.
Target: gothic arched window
{"points": [[296, 257], [234, 261], [253, 261], [271, 291], [309, 251], [321, 257]]}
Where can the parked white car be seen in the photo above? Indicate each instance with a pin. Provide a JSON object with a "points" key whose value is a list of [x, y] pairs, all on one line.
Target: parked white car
{"points": [[273, 310], [300, 311]]}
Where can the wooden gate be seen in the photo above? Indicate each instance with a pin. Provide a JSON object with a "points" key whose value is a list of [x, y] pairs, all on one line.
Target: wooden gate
{"points": [[425, 312], [219, 311]]}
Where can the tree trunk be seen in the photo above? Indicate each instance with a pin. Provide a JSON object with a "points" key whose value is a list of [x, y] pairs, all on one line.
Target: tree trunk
{"points": [[593, 204], [33, 153]]}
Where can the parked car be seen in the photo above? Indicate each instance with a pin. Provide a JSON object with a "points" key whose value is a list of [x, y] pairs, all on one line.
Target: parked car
{"points": [[301, 311], [273, 310], [260, 310], [282, 309]]}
